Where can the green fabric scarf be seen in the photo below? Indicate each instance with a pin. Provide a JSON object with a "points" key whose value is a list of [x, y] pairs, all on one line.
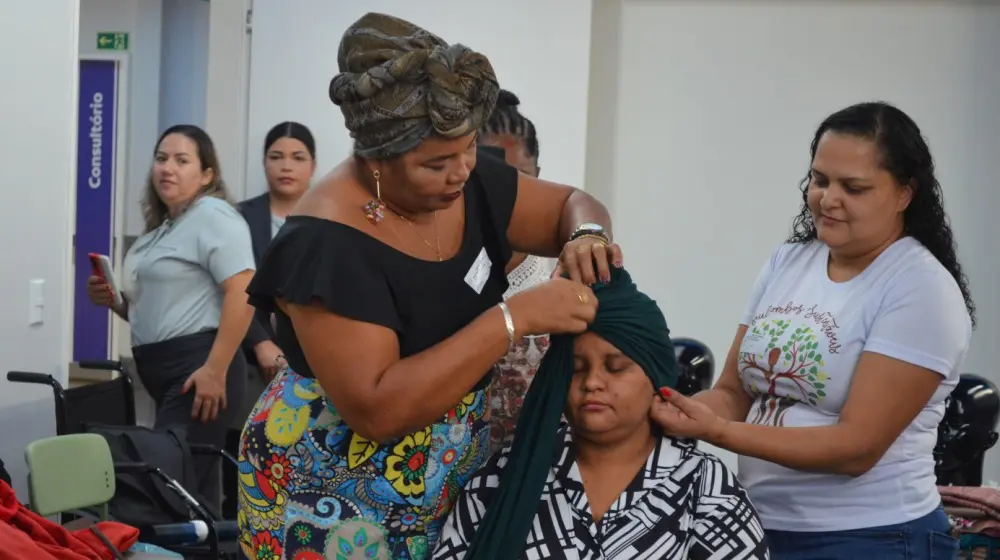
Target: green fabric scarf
{"points": [[633, 323]]}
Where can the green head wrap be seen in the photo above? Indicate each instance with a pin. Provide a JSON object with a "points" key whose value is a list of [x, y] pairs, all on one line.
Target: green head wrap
{"points": [[633, 323], [398, 83]]}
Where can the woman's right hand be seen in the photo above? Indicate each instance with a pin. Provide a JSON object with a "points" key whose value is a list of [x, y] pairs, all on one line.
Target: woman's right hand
{"points": [[559, 306], [99, 291]]}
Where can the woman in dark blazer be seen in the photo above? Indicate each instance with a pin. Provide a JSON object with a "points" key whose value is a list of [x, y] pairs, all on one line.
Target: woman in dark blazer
{"points": [[289, 164]]}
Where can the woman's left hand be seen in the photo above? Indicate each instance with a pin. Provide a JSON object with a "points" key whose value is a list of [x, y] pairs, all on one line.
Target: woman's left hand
{"points": [[588, 259], [683, 417], [209, 393]]}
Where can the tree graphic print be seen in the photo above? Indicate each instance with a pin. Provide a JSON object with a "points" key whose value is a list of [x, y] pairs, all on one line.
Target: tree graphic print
{"points": [[792, 367]]}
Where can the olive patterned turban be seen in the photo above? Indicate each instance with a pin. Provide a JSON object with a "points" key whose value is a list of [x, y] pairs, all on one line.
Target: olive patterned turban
{"points": [[399, 83]]}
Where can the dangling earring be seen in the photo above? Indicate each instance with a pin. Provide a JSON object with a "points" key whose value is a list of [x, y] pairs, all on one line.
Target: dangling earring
{"points": [[375, 208]]}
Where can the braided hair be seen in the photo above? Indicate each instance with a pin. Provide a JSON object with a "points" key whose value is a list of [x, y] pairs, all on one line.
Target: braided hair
{"points": [[507, 120]]}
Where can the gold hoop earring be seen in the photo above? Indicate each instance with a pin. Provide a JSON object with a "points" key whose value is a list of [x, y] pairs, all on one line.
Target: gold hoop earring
{"points": [[375, 208]]}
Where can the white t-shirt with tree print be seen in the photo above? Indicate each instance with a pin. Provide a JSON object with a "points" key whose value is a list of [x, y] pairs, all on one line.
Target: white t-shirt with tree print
{"points": [[804, 338]]}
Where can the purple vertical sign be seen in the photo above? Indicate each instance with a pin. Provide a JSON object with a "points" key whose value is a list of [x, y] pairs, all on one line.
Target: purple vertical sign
{"points": [[95, 200]]}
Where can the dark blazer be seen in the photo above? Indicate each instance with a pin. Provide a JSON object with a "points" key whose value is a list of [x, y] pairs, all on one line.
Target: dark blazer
{"points": [[257, 212]]}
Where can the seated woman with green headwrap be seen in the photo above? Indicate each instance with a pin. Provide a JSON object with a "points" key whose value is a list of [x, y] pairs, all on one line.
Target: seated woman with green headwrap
{"points": [[607, 484]]}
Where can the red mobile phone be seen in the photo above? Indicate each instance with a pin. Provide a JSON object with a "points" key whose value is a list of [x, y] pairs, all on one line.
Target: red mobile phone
{"points": [[101, 267], [95, 265]]}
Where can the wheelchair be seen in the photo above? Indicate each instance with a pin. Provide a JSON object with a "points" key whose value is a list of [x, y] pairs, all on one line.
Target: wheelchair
{"points": [[204, 535]]}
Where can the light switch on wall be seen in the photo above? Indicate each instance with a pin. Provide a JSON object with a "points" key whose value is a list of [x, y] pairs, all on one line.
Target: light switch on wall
{"points": [[36, 301]]}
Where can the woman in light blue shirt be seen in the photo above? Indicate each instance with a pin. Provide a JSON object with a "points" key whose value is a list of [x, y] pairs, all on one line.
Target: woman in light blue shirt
{"points": [[184, 282]]}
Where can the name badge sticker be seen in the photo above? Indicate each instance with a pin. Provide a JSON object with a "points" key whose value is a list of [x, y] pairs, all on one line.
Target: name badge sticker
{"points": [[479, 273]]}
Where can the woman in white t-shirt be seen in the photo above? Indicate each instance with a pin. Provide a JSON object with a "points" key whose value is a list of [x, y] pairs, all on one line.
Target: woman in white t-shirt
{"points": [[835, 384]]}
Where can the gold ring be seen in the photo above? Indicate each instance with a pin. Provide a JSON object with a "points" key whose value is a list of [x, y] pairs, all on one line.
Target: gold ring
{"points": [[584, 298]]}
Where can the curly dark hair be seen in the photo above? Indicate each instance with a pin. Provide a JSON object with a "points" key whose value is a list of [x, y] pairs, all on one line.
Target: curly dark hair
{"points": [[905, 155]]}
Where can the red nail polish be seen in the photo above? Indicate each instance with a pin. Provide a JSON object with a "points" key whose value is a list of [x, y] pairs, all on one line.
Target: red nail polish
{"points": [[664, 392]]}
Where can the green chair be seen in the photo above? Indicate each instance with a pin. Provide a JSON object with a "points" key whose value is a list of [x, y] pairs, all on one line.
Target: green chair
{"points": [[70, 473], [75, 472]]}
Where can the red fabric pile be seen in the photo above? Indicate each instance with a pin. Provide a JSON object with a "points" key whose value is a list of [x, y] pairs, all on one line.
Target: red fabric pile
{"points": [[25, 535]]}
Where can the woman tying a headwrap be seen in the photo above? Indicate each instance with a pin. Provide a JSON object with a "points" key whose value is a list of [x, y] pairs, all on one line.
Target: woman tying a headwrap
{"points": [[607, 485], [387, 285]]}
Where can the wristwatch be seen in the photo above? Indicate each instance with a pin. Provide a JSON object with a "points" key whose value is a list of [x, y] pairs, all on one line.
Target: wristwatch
{"points": [[589, 229]]}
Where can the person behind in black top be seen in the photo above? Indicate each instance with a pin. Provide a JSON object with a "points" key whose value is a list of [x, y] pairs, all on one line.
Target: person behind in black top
{"points": [[387, 285], [289, 166], [513, 137]]}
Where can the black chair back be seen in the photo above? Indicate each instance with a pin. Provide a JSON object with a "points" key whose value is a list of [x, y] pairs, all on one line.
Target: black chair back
{"points": [[110, 403], [695, 366], [967, 431]]}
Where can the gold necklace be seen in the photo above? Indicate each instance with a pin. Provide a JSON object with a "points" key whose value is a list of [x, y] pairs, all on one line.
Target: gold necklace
{"points": [[437, 238]]}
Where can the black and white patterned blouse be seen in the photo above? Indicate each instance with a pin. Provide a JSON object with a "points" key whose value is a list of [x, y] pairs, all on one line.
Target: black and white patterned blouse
{"points": [[684, 505]]}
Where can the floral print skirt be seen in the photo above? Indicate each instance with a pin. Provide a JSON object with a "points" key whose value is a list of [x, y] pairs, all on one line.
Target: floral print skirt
{"points": [[312, 489]]}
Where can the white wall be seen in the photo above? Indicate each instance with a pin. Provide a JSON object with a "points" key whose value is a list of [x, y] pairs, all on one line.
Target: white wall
{"points": [[168, 75], [183, 65], [717, 103], [39, 164], [540, 50], [142, 20], [227, 88]]}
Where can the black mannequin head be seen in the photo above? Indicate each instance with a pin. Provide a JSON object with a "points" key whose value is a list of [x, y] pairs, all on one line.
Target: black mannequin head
{"points": [[696, 366], [967, 431]]}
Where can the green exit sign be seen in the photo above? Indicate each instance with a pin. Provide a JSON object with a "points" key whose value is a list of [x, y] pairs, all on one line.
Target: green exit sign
{"points": [[112, 41]]}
